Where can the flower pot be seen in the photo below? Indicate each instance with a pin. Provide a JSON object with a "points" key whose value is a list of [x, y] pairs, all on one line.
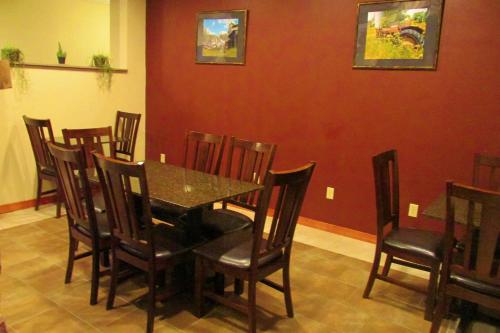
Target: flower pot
{"points": [[101, 62], [61, 60]]}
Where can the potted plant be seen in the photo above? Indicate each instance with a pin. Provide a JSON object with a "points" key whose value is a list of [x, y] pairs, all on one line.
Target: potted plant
{"points": [[61, 55], [15, 57], [101, 61]]}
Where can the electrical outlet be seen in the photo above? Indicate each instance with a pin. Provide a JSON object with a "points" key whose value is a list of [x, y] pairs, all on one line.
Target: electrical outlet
{"points": [[330, 192], [162, 158], [413, 210]]}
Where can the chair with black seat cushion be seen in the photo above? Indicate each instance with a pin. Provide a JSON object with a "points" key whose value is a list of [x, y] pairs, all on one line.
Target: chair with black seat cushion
{"points": [[203, 152], [252, 256], [414, 248], [149, 247], [40, 132], [486, 172], [99, 139], [247, 161], [471, 273], [126, 129], [84, 223]]}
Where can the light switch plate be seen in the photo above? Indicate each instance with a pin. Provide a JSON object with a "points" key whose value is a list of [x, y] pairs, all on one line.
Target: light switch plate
{"points": [[330, 192], [162, 158], [413, 210]]}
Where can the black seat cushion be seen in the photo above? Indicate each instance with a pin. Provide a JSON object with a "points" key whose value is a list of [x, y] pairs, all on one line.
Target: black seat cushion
{"points": [[102, 226], [233, 249], [419, 242], [224, 221], [169, 242], [475, 285]]}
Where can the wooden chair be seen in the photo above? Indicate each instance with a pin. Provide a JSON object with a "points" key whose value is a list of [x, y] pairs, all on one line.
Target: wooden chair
{"points": [[471, 274], [91, 139], [247, 161], [40, 132], [134, 238], [203, 152], [486, 172], [84, 224], [253, 256], [415, 248], [126, 129]]}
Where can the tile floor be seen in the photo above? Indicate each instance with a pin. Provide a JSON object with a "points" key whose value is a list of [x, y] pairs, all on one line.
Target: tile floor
{"points": [[327, 284]]}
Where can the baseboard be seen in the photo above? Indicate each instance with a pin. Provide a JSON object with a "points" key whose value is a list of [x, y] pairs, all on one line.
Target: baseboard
{"points": [[335, 229], [7, 208]]}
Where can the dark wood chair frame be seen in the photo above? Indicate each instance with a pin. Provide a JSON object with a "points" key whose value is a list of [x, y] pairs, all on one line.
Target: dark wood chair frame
{"points": [[126, 130], [492, 163], [132, 223], [385, 168], [72, 177], [248, 161], [292, 186], [480, 258], [40, 132], [203, 152], [91, 139]]}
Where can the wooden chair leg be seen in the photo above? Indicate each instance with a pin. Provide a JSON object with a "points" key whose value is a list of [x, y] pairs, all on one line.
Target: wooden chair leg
{"points": [[287, 291], [105, 258], [38, 193], [443, 304], [432, 292], [152, 300], [73, 244], [239, 286], [373, 273], [94, 287], [252, 309], [59, 200], [115, 269], [387, 265], [198, 287]]}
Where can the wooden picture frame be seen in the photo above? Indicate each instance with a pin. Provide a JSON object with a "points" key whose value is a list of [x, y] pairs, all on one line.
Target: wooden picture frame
{"points": [[398, 34], [221, 37]]}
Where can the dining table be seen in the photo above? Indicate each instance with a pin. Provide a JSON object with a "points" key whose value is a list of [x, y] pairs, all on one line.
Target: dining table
{"points": [[437, 210], [187, 191]]}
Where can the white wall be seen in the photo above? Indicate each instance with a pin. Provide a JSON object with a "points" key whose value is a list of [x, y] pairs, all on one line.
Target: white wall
{"points": [[71, 99]]}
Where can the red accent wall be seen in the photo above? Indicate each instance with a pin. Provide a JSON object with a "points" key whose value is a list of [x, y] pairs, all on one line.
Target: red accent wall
{"points": [[298, 89]]}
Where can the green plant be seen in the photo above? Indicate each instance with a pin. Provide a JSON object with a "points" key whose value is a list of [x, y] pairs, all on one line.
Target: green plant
{"points": [[16, 59], [13, 55], [60, 52], [105, 76]]}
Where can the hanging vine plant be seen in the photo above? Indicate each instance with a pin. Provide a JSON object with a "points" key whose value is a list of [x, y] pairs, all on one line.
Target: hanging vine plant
{"points": [[15, 57], [105, 76]]}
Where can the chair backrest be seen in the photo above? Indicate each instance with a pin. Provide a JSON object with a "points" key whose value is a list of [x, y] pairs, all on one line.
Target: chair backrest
{"points": [[204, 152], [40, 132], [70, 165], [486, 172], [126, 129], [91, 139], [286, 189], [248, 161], [385, 171], [126, 194], [481, 257]]}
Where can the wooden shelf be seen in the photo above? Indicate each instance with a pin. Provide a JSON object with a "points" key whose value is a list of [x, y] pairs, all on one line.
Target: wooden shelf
{"points": [[68, 67]]}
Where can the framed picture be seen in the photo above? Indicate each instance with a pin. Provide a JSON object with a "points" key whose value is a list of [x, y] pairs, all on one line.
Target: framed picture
{"points": [[402, 34], [221, 37]]}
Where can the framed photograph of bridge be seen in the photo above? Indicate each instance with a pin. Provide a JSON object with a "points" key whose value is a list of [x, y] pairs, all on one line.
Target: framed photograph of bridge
{"points": [[402, 34], [221, 37]]}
